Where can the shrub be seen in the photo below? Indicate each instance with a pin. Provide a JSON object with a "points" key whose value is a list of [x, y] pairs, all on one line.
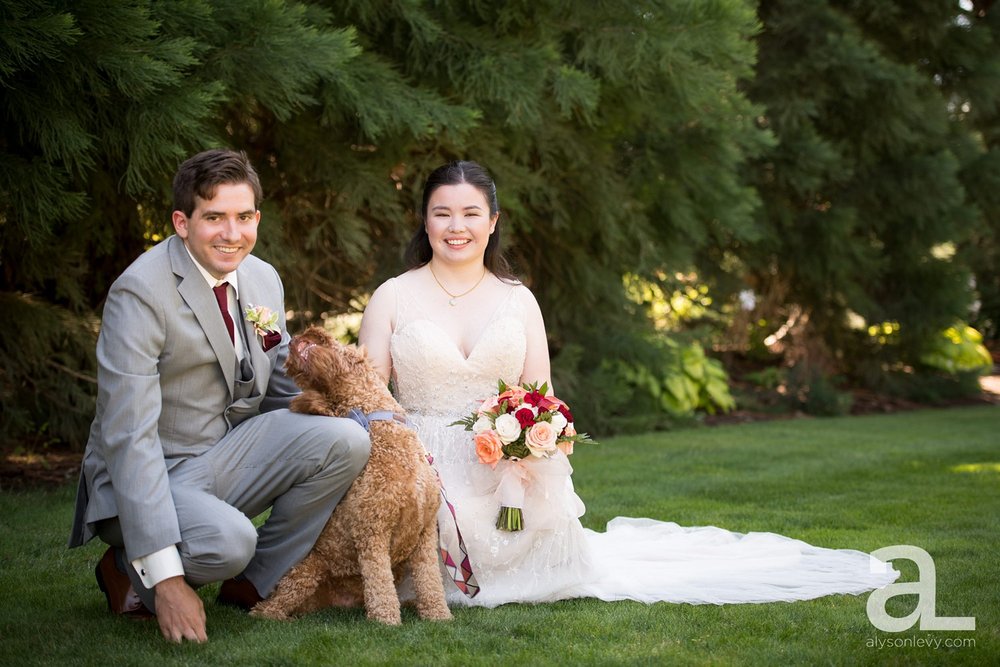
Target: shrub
{"points": [[956, 350], [815, 393], [688, 381]]}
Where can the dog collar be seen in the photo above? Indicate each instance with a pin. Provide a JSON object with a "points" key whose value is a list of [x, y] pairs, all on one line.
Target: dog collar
{"points": [[379, 416]]}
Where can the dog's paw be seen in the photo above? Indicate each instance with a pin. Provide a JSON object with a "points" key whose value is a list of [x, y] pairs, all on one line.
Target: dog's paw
{"points": [[436, 614], [385, 616], [265, 610]]}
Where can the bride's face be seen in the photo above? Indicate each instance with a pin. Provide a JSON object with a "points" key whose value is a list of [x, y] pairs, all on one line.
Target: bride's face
{"points": [[459, 223]]}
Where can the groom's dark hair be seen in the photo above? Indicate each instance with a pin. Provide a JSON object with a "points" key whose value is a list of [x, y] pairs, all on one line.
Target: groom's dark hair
{"points": [[419, 251], [201, 174]]}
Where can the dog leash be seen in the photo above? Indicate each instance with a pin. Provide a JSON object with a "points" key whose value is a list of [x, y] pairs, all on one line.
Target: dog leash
{"points": [[459, 570]]}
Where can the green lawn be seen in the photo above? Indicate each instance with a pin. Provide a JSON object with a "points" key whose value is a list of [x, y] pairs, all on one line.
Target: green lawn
{"points": [[929, 478]]}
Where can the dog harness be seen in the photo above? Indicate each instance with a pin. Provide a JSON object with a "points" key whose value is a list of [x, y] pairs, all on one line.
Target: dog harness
{"points": [[379, 416]]}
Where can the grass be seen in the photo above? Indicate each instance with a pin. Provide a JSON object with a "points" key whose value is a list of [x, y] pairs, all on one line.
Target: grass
{"points": [[928, 478]]}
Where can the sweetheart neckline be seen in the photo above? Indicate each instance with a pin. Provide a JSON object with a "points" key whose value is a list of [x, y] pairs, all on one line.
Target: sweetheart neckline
{"points": [[444, 333], [495, 316]]}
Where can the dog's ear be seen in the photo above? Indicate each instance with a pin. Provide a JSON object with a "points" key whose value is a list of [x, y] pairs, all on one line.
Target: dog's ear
{"points": [[342, 360], [355, 358]]}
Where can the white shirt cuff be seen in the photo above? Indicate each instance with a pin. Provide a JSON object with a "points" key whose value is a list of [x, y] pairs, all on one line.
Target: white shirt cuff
{"points": [[158, 566]]}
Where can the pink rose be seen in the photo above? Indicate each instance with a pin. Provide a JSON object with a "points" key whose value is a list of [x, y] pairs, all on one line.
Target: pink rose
{"points": [[565, 446], [489, 449], [549, 403], [489, 405], [570, 430], [541, 439]]}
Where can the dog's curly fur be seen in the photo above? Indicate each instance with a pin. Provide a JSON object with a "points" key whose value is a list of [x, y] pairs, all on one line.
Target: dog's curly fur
{"points": [[388, 518]]}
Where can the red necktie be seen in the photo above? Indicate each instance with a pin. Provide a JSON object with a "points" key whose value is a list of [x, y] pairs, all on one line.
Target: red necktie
{"points": [[222, 297]]}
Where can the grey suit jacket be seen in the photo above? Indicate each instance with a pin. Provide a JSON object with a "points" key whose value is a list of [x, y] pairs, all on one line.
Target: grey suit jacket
{"points": [[168, 389]]}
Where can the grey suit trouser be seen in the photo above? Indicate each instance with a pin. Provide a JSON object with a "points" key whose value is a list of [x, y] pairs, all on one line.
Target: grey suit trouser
{"points": [[299, 466]]}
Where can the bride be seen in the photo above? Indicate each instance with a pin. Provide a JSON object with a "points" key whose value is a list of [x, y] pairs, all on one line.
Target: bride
{"points": [[457, 321]]}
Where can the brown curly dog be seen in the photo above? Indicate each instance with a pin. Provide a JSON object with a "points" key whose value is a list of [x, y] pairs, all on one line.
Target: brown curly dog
{"points": [[386, 522]]}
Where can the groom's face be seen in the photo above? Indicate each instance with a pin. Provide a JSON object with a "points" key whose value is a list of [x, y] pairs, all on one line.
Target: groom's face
{"points": [[221, 231]]}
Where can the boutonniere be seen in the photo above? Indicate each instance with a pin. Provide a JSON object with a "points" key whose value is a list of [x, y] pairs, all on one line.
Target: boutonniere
{"points": [[263, 319]]}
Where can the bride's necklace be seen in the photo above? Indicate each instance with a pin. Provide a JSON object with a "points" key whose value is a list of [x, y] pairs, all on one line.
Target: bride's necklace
{"points": [[451, 301]]}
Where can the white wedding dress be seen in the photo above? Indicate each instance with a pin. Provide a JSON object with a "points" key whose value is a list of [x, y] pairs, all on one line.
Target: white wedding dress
{"points": [[555, 557]]}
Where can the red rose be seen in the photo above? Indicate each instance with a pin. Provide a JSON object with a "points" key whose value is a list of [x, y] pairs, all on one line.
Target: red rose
{"points": [[525, 417], [534, 398], [564, 409]]}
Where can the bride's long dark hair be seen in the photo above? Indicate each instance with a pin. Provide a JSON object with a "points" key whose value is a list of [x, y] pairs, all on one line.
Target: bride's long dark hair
{"points": [[419, 251]]}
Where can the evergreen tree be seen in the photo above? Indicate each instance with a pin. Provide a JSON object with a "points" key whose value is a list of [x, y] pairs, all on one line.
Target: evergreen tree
{"points": [[616, 135], [100, 103], [970, 74], [585, 112], [863, 198]]}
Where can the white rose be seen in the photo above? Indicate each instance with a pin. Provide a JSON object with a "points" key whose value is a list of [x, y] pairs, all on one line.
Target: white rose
{"points": [[508, 428], [558, 422], [482, 424]]}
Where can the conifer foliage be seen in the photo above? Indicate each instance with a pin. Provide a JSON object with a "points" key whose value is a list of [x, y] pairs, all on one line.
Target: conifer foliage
{"points": [[345, 107], [851, 169], [100, 103], [866, 193]]}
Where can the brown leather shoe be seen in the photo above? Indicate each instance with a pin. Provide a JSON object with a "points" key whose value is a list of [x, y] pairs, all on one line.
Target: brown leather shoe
{"points": [[115, 584], [239, 592]]}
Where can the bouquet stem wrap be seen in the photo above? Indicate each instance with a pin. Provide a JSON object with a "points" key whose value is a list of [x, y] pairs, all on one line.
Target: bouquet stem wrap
{"points": [[515, 477], [510, 492]]}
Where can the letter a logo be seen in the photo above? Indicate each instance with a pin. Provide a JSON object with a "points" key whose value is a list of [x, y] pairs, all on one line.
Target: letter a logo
{"points": [[925, 588]]}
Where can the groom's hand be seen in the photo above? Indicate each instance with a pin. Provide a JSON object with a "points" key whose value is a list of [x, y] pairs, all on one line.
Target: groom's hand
{"points": [[180, 611]]}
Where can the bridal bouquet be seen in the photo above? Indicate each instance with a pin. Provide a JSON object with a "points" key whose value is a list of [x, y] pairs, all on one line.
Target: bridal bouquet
{"points": [[520, 423]]}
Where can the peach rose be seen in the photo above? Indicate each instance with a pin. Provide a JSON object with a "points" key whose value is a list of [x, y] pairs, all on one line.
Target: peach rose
{"points": [[515, 395], [569, 431], [565, 446], [489, 449], [541, 439]]}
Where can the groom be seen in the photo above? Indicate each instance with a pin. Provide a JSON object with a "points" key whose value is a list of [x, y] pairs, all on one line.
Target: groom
{"points": [[192, 436]]}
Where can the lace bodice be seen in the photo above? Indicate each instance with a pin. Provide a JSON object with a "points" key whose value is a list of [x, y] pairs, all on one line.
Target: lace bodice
{"points": [[430, 373]]}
